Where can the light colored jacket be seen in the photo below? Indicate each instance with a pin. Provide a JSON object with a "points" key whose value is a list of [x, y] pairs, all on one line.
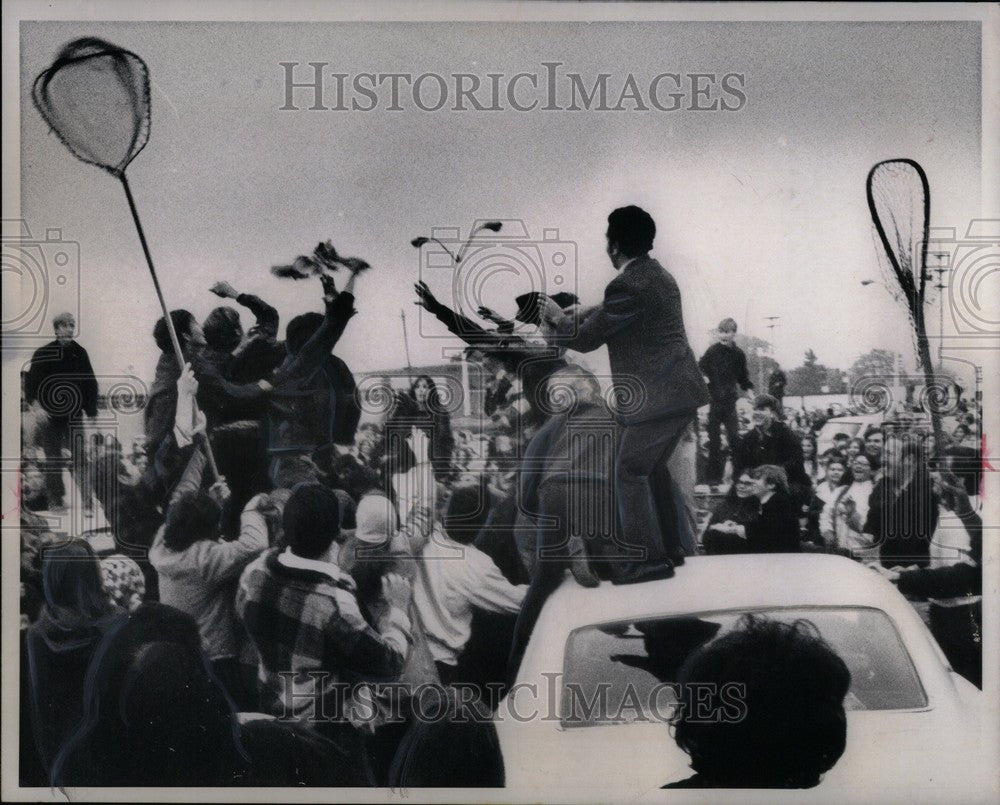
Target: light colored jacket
{"points": [[452, 578], [201, 581], [834, 516]]}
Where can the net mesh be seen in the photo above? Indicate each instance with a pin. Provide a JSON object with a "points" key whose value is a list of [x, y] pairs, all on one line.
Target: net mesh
{"points": [[95, 96], [899, 201]]}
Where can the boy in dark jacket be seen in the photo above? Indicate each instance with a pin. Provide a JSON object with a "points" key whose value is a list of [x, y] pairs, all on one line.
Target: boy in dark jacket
{"points": [[725, 366]]}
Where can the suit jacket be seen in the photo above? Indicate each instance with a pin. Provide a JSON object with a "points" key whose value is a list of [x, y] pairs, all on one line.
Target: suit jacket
{"points": [[642, 323]]}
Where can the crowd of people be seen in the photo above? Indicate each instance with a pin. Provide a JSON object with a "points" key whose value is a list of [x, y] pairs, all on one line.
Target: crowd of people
{"points": [[276, 563]]}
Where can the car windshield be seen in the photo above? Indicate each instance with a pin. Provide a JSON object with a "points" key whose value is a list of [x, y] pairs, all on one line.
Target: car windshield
{"points": [[626, 671]]}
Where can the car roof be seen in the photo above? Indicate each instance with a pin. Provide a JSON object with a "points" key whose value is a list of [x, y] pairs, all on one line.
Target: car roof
{"points": [[720, 583]]}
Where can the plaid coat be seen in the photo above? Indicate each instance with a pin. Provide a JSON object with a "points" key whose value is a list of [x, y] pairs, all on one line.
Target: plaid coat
{"points": [[313, 640]]}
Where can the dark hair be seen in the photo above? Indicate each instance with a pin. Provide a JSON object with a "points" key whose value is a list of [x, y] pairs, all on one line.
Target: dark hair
{"points": [[772, 474], [300, 330], [348, 509], [835, 457], [311, 520], [467, 511], [433, 397], [192, 517], [222, 328], [762, 401], [529, 305], [153, 711], [72, 585], [859, 441], [632, 229], [794, 728], [812, 460], [182, 320], [841, 436]]}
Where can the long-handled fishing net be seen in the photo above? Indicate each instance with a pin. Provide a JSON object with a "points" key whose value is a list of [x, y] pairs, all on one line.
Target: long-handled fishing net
{"points": [[95, 97], [899, 199]]}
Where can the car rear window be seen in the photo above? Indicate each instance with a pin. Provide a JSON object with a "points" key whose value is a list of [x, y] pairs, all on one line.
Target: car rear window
{"points": [[623, 672]]}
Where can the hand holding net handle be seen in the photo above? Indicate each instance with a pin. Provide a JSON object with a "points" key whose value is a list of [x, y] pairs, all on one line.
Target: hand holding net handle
{"points": [[166, 313]]}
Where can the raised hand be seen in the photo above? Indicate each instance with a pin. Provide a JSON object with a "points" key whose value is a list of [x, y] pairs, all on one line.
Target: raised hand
{"points": [[425, 298], [550, 310], [329, 287], [396, 590], [187, 383], [219, 491], [224, 289]]}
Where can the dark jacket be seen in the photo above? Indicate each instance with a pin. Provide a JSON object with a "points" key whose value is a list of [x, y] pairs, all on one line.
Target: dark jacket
{"points": [[219, 399], [903, 521], [776, 384], [776, 530], [62, 380], [260, 353], [532, 363], [726, 370], [779, 446], [59, 653], [312, 403], [642, 323]]}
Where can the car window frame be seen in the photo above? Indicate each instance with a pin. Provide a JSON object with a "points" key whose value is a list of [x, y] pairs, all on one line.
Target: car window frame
{"points": [[764, 609]]}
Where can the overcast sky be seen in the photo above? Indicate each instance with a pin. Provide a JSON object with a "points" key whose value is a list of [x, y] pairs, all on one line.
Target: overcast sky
{"points": [[761, 212]]}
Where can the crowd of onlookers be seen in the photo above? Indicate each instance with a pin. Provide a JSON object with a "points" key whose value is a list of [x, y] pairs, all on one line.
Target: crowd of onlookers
{"points": [[272, 561]]}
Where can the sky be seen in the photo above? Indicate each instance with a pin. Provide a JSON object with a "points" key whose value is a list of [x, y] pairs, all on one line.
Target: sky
{"points": [[760, 212]]}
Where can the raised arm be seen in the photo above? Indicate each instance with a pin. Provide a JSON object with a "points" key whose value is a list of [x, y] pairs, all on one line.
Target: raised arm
{"points": [[339, 310], [266, 316], [462, 326]]}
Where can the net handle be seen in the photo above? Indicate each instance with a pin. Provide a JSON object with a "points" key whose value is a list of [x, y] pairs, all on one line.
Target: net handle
{"points": [[166, 313]]}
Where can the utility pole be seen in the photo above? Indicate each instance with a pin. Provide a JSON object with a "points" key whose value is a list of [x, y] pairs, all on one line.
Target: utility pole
{"points": [[772, 322], [942, 268], [406, 347]]}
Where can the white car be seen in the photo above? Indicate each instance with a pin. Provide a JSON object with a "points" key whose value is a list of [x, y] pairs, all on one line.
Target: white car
{"points": [[913, 724], [851, 424]]}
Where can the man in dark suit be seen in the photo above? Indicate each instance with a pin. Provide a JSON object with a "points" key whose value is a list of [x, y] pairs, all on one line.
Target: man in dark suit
{"points": [[61, 381], [659, 384]]}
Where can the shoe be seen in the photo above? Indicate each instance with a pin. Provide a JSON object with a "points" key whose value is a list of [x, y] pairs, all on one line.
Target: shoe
{"points": [[580, 568], [647, 572], [677, 557]]}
